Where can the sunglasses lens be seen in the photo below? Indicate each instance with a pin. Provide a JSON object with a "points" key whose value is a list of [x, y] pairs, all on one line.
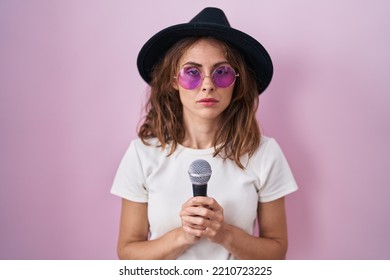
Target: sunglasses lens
{"points": [[190, 77], [224, 76]]}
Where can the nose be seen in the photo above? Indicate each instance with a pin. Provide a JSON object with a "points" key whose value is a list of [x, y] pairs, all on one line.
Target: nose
{"points": [[208, 84]]}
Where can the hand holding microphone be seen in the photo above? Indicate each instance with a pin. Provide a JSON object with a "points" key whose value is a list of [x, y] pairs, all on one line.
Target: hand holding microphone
{"points": [[201, 216]]}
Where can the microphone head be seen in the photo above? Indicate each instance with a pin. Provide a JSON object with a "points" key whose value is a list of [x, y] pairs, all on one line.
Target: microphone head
{"points": [[199, 172]]}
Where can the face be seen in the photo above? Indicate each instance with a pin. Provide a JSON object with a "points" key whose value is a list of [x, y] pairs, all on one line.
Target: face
{"points": [[207, 100]]}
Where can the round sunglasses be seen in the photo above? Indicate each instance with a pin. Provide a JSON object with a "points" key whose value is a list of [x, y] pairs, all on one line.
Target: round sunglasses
{"points": [[190, 77]]}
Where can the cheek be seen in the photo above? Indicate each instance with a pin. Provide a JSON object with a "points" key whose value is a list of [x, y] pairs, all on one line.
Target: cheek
{"points": [[225, 104], [227, 97], [184, 96]]}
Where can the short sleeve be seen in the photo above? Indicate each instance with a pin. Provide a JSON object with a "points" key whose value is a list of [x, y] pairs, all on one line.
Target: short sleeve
{"points": [[129, 182], [275, 176]]}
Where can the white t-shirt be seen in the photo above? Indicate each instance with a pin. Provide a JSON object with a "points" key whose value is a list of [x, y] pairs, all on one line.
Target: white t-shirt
{"points": [[146, 174]]}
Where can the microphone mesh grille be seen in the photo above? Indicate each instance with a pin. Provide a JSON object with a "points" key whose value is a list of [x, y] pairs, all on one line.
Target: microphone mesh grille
{"points": [[199, 172]]}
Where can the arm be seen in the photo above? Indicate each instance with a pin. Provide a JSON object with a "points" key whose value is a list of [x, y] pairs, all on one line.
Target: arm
{"points": [[133, 240], [272, 243]]}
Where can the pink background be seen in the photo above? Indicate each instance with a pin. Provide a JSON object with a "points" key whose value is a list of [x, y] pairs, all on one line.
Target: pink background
{"points": [[71, 97]]}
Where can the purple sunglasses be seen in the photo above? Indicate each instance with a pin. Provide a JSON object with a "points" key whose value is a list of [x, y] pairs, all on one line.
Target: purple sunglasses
{"points": [[190, 77]]}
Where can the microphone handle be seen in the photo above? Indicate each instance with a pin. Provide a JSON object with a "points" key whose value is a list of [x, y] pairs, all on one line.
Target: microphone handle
{"points": [[199, 190]]}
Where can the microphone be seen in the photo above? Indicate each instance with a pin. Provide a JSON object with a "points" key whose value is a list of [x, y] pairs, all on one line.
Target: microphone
{"points": [[200, 173]]}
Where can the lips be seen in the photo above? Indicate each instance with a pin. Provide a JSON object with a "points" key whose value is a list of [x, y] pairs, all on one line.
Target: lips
{"points": [[208, 101]]}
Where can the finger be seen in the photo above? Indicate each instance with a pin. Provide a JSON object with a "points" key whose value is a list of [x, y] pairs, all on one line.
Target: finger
{"points": [[188, 203], [196, 221], [194, 202], [194, 212], [192, 231], [199, 211], [215, 225], [194, 226], [202, 200], [208, 202]]}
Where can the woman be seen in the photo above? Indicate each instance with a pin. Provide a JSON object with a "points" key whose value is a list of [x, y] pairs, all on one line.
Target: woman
{"points": [[205, 79]]}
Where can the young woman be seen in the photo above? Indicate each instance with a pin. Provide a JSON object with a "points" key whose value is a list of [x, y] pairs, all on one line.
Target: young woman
{"points": [[205, 79]]}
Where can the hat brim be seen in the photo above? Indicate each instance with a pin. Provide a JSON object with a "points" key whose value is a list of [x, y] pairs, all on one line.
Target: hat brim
{"points": [[255, 55]]}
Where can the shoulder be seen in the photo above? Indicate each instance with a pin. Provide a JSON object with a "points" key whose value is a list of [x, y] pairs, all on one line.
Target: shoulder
{"points": [[267, 145], [147, 145], [152, 142], [268, 152], [272, 170], [150, 148], [266, 140]]}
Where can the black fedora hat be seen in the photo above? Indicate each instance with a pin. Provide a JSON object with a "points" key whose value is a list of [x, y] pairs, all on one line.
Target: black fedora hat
{"points": [[209, 22]]}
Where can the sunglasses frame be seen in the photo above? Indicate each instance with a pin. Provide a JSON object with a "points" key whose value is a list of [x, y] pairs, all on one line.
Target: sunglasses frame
{"points": [[177, 77]]}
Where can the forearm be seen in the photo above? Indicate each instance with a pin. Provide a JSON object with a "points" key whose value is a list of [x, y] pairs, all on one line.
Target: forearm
{"points": [[169, 246], [245, 246]]}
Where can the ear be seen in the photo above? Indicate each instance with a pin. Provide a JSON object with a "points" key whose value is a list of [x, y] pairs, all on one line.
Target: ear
{"points": [[175, 85]]}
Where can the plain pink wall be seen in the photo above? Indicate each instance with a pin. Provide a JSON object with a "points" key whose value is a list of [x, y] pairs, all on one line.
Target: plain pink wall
{"points": [[71, 97]]}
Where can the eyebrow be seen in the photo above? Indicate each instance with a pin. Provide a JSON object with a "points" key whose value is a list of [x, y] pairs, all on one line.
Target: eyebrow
{"points": [[200, 65]]}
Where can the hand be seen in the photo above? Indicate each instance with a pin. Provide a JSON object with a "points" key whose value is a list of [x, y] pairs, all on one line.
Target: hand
{"points": [[203, 217]]}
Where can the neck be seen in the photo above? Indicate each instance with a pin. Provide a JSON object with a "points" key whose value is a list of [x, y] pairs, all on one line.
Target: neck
{"points": [[200, 135]]}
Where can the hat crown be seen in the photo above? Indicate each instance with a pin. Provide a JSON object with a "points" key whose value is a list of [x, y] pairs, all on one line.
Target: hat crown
{"points": [[211, 16]]}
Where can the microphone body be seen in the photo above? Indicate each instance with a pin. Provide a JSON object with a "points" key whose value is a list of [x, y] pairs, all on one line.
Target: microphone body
{"points": [[199, 190], [199, 173]]}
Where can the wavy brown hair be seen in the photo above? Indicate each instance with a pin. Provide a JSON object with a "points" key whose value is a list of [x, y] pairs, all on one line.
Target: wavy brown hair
{"points": [[239, 133]]}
